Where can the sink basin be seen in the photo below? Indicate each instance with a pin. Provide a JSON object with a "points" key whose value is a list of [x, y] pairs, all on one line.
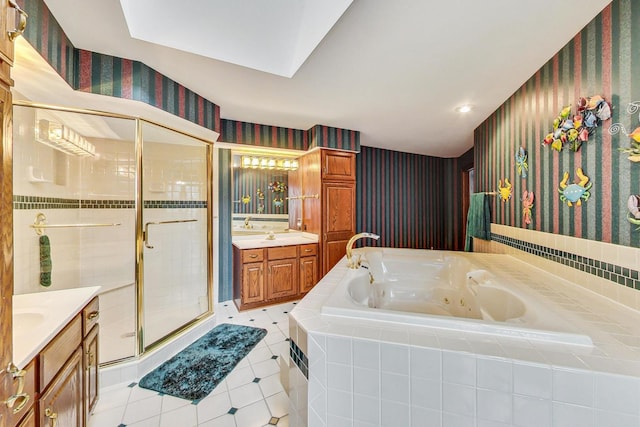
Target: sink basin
{"points": [[27, 319]]}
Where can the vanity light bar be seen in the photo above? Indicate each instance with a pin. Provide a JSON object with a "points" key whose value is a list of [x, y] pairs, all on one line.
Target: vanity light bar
{"points": [[64, 139], [254, 162]]}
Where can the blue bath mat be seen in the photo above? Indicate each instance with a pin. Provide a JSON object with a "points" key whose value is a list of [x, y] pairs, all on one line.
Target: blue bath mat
{"points": [[196, 370]]}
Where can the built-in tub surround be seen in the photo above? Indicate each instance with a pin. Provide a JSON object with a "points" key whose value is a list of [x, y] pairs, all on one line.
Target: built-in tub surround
{"points": [[449, 290], [375, 372]]}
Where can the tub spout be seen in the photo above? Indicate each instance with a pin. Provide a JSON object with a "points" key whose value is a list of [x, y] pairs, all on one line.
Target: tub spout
{"points": [[350, 262]]}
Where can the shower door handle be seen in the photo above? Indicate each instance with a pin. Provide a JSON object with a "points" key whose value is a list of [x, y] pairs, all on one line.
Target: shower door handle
{"points": [[146, 228]]}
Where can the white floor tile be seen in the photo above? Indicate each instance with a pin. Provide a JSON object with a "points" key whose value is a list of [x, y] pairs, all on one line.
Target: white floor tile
{"points": [[266, 368], [223, 421], [213, 406], [184, 416], [271, 385], [239, 377], [255, 402], [149, 422], [245, 395], [254, 415], [142, 409], [278, 404], [108, 418], [170, 403]]}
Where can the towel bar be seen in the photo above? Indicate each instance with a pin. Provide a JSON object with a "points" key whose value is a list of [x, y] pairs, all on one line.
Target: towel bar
{"points": [[40, 223]]}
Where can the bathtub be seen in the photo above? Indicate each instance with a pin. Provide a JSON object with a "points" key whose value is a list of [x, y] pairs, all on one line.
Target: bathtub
{"points": [[446, 290]]}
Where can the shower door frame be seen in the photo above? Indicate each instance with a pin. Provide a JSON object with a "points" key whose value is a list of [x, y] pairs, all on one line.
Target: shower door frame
{"points": [[139, 266], [140, 347]]}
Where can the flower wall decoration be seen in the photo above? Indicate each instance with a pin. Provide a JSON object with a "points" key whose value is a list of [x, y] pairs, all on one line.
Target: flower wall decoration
{"points": [[591, 112], [277, 187]]}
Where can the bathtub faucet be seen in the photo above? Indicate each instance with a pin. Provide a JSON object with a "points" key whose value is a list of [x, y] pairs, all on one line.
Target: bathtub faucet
{"points": [[350, 262]]}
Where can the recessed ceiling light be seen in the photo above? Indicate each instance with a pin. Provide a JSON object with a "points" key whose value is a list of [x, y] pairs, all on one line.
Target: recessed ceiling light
{"points": [[464, 108]]}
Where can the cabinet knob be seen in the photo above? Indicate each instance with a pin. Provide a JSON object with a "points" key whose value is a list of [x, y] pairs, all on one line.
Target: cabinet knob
{"points": [[253, 256], [307, 250], [93, 315], [52, 416]]}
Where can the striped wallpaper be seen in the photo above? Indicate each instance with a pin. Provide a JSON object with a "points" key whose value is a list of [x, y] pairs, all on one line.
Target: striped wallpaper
{"points": [[600, 60], [263, 135], [410, 200], [248, 181], [108, 75], [330, 137]]}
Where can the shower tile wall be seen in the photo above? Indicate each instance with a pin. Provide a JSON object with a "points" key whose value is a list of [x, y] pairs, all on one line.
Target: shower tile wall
{"points": [[70, 190]]}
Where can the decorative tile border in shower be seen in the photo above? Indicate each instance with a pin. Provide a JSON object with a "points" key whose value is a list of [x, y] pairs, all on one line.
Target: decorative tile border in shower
{"points": [[614, 273], [38, 202], [299, 358]]}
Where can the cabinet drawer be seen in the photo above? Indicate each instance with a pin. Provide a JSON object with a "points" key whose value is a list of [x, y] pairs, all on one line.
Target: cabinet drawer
{"points": [[56, 353], [29, 380], [90, 315], [282, 252], [252, 255], [308, 250]]}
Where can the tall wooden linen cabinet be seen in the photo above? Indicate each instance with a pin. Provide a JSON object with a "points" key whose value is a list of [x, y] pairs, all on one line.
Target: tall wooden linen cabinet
{"points": [[9, 30], [322, 201]]}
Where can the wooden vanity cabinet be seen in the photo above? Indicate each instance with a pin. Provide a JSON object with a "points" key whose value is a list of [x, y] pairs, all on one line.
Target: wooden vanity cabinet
{"points": [[62, 403], [272, 275], [308, 267], [282, 272]]}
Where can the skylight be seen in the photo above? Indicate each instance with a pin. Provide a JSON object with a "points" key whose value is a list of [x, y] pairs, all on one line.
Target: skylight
{"points": [[275, 36]]}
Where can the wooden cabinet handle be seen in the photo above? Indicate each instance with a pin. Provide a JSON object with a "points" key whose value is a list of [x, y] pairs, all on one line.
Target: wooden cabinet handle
{"points": [[93, 315], [15, 33], [253, 256], [90, 362], [307, 250], [52, 416]]}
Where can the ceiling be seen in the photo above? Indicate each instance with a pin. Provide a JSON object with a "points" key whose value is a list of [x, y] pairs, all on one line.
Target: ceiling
{"points": [[393, 70]]}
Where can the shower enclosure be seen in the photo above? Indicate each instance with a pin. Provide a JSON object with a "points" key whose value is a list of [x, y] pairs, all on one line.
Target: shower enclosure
{"points": [[125, 204]]}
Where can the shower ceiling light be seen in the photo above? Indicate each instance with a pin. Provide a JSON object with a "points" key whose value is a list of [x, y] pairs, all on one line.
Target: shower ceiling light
{"points": [[63, 138], [254, 162]]}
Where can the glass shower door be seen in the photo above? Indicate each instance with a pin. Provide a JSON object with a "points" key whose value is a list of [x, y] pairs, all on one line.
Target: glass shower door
{"points": [[175, 285]]}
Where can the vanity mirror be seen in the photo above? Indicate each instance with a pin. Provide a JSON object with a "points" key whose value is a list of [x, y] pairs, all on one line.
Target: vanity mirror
{"points": [[259, 192]]}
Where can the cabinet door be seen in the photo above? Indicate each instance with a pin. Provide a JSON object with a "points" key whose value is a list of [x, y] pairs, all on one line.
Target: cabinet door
{"points": [[308, 273], [338, 165], [61, 405], [253, 282], [90, 365], [29, 420], [283, 278], [339, 222]]}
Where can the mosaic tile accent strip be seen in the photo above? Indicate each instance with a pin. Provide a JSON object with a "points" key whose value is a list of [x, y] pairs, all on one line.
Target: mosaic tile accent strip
{"points": [[615, 273], [38, 202], [299, 358]]}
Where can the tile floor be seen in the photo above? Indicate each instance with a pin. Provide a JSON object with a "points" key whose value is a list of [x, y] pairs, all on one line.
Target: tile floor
{"points": [[250, 396]]}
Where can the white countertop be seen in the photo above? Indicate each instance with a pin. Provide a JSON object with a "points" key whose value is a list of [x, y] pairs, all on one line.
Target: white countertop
{"points": [[38, 317], [283, 239]]}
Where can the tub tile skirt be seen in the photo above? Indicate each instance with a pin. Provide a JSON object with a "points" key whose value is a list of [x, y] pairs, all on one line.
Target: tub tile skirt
{"points": [[615, 273], [299, 358]]}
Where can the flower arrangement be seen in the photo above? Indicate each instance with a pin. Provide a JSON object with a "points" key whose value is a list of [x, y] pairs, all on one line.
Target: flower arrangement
{"points": [[277, 187]]}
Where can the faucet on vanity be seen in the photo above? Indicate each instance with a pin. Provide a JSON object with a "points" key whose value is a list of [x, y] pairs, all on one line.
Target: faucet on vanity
{"points": [[246, 223], [350, 261]]}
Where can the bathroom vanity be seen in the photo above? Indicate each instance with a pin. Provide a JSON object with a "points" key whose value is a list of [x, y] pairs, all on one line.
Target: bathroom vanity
{"points": [[55, 352], [273, 271]]}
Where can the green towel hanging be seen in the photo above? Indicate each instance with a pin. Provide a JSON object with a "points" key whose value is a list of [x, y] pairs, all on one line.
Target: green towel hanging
{"points": [[45, 261], [478, 220]]}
